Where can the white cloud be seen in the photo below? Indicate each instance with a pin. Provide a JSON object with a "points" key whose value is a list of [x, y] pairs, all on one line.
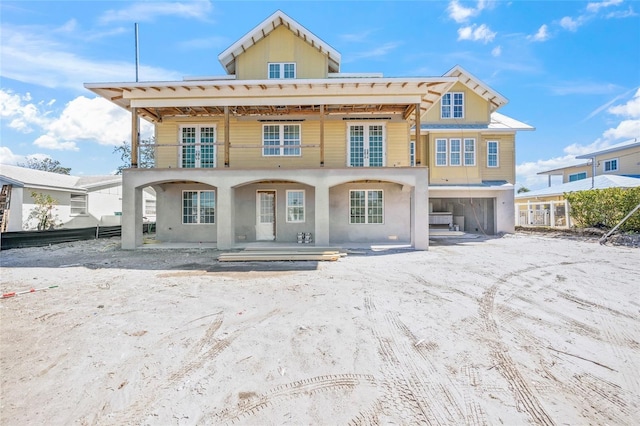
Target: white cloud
{"points": [[630, 109], [82, 120], [596, 6], [527, 173], [376, 52], [460, 13], [480, 33], [27, 53], [8, 157], [541, 35], [148, 11], [568, 23], [496, 52]]}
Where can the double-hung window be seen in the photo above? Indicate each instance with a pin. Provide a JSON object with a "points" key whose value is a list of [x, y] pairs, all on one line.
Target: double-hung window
{"points": [[281, 140], [610, 165], [197, 146], [492, 154], [295, 206], [455, 149], [441, 152], [78, 204], [469, 152], [282, 70], [198, 207], [452, 105], [366, 207]]}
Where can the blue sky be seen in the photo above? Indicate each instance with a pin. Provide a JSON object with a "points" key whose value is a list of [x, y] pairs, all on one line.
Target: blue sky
{"points": [[571, 69]]}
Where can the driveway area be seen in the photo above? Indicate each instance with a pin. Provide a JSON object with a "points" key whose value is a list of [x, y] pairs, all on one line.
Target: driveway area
{"points": [[517, 330]]}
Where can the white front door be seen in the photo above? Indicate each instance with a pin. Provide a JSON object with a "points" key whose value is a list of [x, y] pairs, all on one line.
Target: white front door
{"points": [[266, 216]]}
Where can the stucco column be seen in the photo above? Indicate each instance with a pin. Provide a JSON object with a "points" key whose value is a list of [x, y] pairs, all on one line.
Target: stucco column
{"points": [[225, 212], [420, 215], [321, 233], [131, 217]]}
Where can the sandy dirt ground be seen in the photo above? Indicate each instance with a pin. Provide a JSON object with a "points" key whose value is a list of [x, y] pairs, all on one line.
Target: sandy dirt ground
{"points": [[517, 330]]}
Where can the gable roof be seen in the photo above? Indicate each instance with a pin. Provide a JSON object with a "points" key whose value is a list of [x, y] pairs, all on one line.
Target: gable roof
{"points": [[496, 100], [600, 182], [633, 143], [278, 18], [25, 177]]}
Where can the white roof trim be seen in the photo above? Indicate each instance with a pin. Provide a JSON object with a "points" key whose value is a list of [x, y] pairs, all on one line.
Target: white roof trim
{"points": [[228, 57], [495, 99], [620, 147]]}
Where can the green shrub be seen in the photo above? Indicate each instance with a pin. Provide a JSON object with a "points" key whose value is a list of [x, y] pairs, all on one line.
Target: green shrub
{"points": [[605, 208]]}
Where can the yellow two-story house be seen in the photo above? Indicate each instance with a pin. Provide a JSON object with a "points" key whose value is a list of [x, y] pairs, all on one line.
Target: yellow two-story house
{"points": [[285, 145]]}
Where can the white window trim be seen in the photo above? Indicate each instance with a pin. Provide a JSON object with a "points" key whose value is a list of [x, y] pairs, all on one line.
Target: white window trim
{"points": [[366, 216], [460, 159], [464, 151], [282, 146], [215, 211], [497, 154], [198, 127], [366, 125], [86, 205], [610, 160], [304, 209], [412, 153], [451, 106], [446, 152], [281, 70]]}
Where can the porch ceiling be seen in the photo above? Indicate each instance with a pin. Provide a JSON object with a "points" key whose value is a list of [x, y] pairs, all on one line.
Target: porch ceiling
{"points": [[208, 98]]}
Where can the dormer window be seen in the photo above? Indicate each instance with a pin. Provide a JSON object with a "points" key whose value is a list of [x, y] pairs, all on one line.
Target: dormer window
{"points": [[452, 105], [282, 70]]}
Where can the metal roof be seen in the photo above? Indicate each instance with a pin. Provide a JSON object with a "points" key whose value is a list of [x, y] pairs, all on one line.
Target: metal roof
{"points": [[600, 182]]}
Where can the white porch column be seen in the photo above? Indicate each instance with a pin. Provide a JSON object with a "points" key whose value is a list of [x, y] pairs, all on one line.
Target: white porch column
{"points": [[321, 233], [420, 215], [131, 217], [225, 212]]}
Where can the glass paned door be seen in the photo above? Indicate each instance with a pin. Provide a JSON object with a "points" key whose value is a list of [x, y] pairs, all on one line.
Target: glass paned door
{"points": [[197, 146], [266, 216], [366, 145]]}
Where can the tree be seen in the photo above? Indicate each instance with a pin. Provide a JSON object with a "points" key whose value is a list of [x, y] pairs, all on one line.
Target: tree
{"points": [[146, 156], [523, 189], [43, 211], [46, 165]]}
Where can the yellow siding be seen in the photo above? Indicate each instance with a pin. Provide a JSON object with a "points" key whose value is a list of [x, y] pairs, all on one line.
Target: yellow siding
{"points": [[506, 158], [628, 162], [335, 143], [573, 170], [453, 175], [476, 108], [281, 45], [168, 137], [397, 145]]}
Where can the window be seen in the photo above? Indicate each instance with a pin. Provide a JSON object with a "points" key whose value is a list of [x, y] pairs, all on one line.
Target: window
{"points": [[454, 152], [441, 152], [198, 206], [452, 105], [366, 207], [198, 147], [282, 70], [295, 206], [366, 145], [469, 152], [149, 207], [577, 176], [78, 204], [412, 153], [492, 154], [610, 165], [281, 140]]}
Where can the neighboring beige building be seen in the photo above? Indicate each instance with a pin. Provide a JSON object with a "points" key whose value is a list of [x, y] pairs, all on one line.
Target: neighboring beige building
{"points": [[286, 144], [622, 159]]}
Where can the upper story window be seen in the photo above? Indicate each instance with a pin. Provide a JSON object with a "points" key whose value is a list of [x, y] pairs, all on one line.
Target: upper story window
{"points": [[492, 154], [610, 165], [469, 152], [452, 105], [282, 70], [412, 153], [454, 152], [577, 176], [197, 146], [281, 140], [441, 152], [78, 204]]}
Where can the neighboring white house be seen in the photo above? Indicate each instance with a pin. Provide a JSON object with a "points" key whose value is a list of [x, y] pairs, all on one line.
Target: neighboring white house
{"points": [[82, 201]]}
